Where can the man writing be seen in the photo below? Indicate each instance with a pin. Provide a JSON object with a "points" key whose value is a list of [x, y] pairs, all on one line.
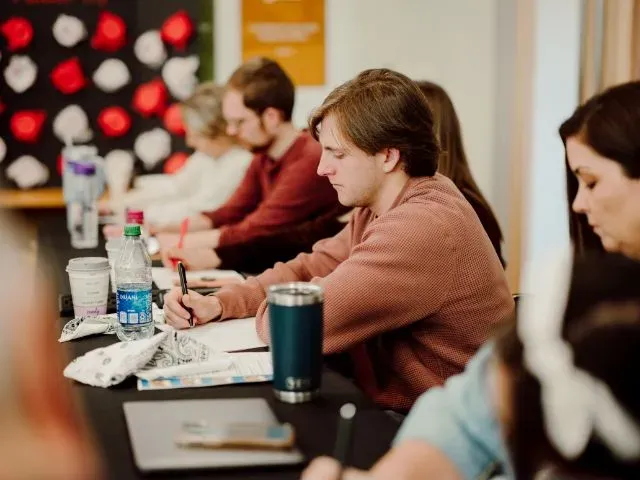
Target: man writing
{"points": [[412, 284]]}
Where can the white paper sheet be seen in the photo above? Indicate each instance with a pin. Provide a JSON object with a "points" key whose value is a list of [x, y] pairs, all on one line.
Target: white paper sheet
{"points": [[247, 364], [227, 336], [164, 277]]}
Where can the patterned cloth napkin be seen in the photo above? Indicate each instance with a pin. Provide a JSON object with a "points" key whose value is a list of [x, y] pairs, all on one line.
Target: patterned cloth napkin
{"points": [[107, 366], [85, 326]]}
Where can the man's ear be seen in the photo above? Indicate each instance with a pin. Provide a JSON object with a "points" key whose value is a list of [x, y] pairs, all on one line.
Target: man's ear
{"points": [[271, 118], [391, 159]]}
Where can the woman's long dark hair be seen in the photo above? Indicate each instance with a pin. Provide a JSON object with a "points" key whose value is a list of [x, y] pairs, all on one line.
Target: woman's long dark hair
{"points": [[609, 123], [453, 159], [605, 341]]}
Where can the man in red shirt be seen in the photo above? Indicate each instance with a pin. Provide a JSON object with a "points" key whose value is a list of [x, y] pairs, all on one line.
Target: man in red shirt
{"points": [[280, 189]]}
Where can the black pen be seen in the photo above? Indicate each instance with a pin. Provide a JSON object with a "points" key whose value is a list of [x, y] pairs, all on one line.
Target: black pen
{"points": [[183, 284], [342, 450]]}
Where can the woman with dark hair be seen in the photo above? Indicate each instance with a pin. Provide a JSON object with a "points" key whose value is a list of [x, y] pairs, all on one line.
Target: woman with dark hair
{"points": [[453, 159], [602, 142], [455, 432]]}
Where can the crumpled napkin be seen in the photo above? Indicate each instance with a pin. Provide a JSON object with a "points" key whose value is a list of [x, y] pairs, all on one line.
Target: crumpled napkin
{"points": [[85, 326], [107, 366]]}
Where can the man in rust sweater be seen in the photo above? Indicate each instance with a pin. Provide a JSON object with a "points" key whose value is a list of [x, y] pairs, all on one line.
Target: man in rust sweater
{"points": [[413, 285], [280, 189]]}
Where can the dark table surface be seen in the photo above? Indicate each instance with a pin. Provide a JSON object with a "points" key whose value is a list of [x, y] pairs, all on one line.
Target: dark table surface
{"points": [[315, 422]]}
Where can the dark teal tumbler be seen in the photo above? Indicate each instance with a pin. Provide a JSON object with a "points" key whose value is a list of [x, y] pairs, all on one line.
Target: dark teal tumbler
{"points": [[295, 321]]}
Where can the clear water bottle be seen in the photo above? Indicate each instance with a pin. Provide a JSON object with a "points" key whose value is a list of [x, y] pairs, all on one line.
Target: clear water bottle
{"points": [[71, 156], [82, 209], [133, 285]]}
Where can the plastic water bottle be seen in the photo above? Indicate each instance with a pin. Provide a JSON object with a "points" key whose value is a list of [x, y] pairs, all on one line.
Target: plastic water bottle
{"points": [[136, 217], [82, 209], [71, 156], [133, 285]]}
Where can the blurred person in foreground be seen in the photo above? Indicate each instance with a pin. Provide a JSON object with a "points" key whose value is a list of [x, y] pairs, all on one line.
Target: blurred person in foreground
{"points": [[562, 383], [43, 434]]}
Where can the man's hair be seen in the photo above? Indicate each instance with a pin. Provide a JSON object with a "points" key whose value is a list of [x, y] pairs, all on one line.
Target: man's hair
{"points": [[264, 84], [382, 109]]}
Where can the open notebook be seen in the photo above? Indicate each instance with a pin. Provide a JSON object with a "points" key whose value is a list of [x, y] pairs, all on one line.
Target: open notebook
{"points": [[164, 277], [227, 336]]}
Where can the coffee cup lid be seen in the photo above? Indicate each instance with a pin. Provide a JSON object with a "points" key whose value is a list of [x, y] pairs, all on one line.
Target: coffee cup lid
{"points": [[88, 264]]}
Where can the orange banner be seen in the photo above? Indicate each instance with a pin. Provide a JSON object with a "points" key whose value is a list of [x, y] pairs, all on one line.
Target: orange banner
{"points": [[290, 32]]}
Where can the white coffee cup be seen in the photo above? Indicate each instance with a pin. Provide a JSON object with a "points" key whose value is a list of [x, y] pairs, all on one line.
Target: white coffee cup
{"points": [[113, 249], [89, 280]]}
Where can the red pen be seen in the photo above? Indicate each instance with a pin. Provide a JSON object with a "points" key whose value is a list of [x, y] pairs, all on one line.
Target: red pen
{"points": [[184, 226]]}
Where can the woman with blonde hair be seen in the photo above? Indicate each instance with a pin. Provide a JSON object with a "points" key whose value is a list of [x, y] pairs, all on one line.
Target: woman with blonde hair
{"points": [[209, 176], [453, 159]]}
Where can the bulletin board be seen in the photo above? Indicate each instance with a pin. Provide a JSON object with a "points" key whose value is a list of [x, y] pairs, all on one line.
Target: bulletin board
{"points": [[292, 32], [139, 16]]}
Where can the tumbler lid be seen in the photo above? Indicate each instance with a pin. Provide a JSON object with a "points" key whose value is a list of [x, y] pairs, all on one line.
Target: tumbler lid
{"points": [[295, 294]]}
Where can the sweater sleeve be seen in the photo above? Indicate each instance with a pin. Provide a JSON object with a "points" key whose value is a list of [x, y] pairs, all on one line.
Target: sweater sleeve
{"points": [[260, 253], [243, 300], [150, 189], [243, 201], [399, 273], [298, 194]]}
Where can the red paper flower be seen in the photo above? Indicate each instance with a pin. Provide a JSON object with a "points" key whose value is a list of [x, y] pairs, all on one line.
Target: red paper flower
{"points": [[177, 30], [173, 120], [175, 162], [26, 125], [18, 32], [68, 76], [150, 98], [111, 33], [114, 121]]}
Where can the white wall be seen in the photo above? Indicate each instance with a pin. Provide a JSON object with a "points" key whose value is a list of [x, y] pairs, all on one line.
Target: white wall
{"points": [[452, 42], [555, 96]]}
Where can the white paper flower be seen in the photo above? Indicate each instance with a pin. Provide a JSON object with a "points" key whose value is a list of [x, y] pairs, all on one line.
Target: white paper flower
{"points": [[179, 74], [3, 150], [119, 166], [69, 31], [21, 73], [118, 170], [152, 147], [72, 125], [28, 172], [111, 75], [149, 49]]}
